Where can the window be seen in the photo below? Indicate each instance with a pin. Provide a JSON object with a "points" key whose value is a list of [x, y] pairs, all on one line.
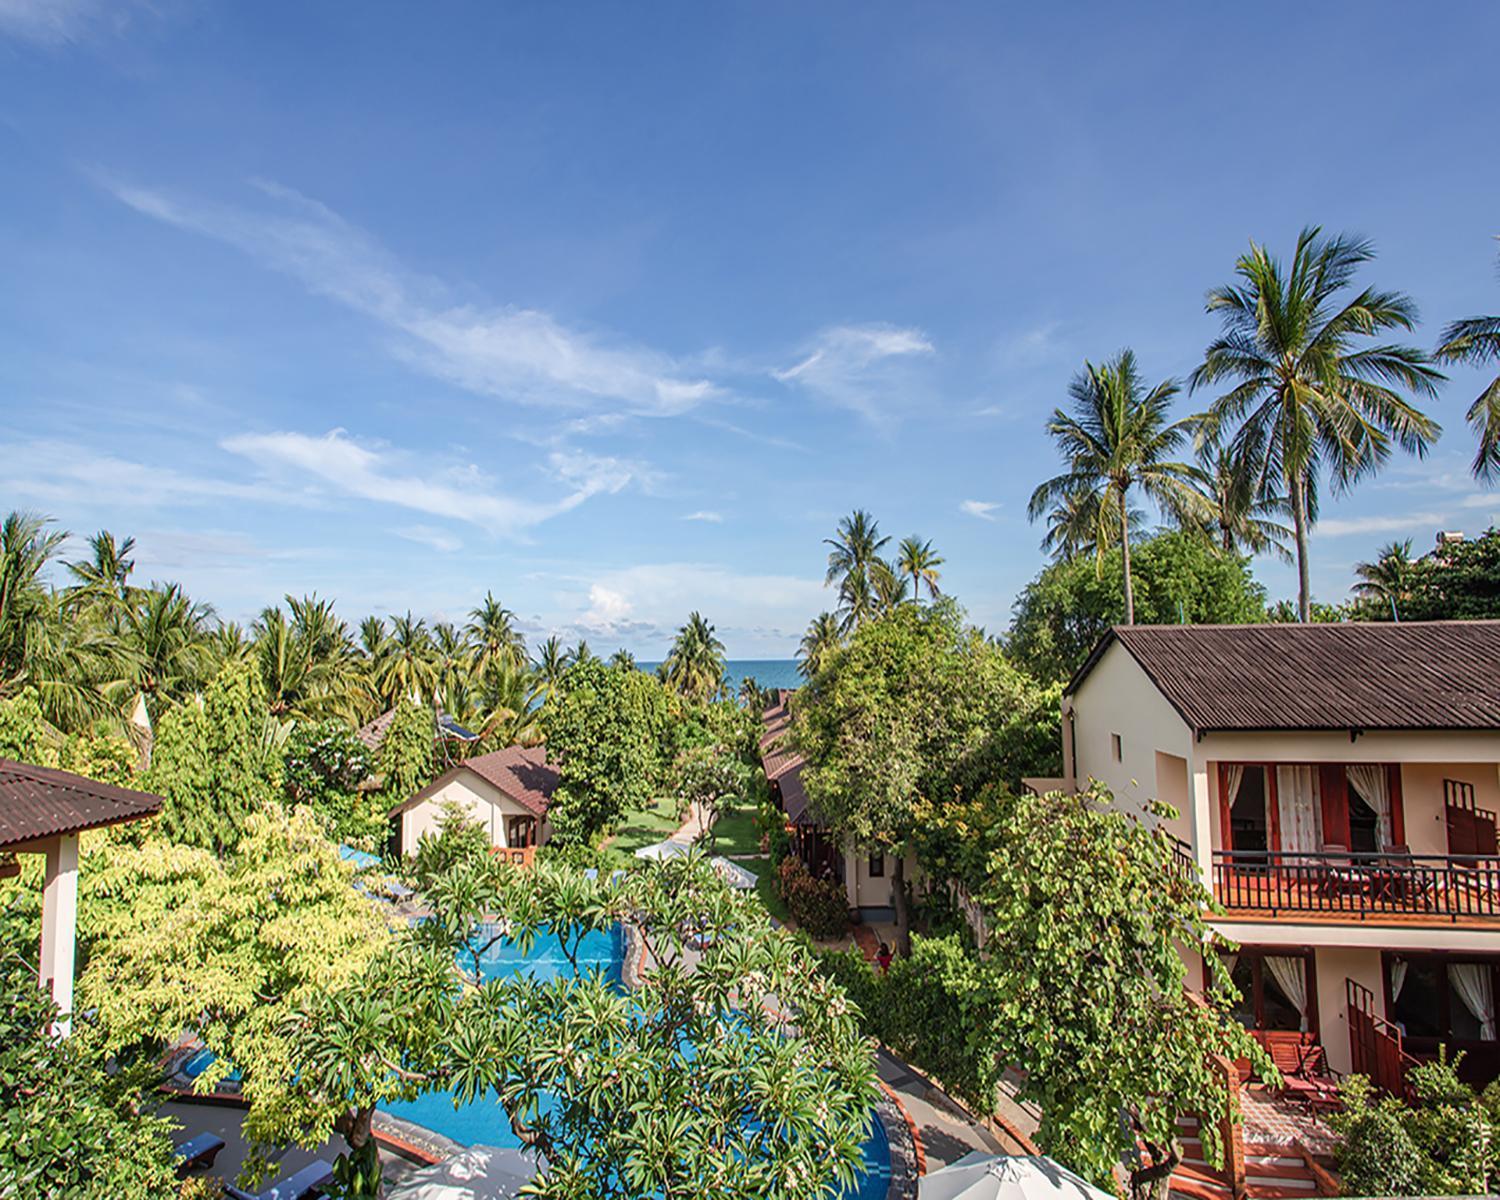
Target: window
{"points": [[1435, 998], [1273, 989], [1116, 748], [877, 865]]}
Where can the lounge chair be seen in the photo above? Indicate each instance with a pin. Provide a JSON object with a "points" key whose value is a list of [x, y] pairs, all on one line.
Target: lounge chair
{"points": [[307, 1182], [198, 1151], [1303, 1066], [1337, 875]]}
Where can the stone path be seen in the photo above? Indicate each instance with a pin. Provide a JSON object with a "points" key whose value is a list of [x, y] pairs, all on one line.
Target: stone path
{"points": [[945, 1130]]}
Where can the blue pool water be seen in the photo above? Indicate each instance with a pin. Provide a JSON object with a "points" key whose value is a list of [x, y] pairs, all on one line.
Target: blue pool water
{"points": [[484, 1122]]}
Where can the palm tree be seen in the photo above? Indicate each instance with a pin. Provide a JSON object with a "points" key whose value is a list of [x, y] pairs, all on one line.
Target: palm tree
{"points": [[695, 664], [852, 562], [26, 547], [919, 560], [622, 659], [167, 638], [373, 638], [1240, 516], [1309, 395], [502, 704], [1084, 522], [105, 573], [551, 666], [580, 653], [1387, 582], [407, 667], [1476, 341], [889, 586], [492, 631], [1117, 438], [818, 644]]}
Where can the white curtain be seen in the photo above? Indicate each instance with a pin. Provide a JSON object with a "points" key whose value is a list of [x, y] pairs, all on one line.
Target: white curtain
{"points": [[1234, 775], [1374, 785], [1290, 975], [1398, 978], [1474, 986], [1300, 806]]}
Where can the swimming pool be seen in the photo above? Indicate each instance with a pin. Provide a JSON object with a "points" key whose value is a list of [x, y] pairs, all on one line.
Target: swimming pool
{"points": [[484, 1122]]}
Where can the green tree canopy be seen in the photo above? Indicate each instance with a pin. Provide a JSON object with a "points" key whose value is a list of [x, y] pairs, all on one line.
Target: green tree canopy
{"points": [[917, 708], [1179, 577], [1461, 582]]}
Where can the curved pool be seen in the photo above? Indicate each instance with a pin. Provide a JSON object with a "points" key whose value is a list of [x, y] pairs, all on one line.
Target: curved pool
{"points": [[484, 1122]]}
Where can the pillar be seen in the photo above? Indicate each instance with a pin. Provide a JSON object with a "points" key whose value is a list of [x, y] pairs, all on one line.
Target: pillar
{"points": [[1202, 820], [59, 925]]}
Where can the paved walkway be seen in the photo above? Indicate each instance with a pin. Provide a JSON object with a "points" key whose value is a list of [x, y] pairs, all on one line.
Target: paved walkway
{"points": [[945, 1130]]}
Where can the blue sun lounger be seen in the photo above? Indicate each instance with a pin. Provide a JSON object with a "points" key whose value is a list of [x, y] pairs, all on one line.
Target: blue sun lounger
{"points": [[198, 1151], [306, 1182]]}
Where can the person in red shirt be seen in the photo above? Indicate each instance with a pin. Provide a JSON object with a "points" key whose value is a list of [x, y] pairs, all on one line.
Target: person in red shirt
{"points": [[883, 958]]}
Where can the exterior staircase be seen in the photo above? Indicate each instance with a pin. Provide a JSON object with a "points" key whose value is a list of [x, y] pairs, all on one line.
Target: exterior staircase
{"points": [[1272, 1172]]}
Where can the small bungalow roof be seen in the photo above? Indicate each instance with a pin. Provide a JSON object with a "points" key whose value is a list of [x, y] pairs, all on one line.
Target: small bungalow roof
{"points": [[1419, 675], [524, 773]]}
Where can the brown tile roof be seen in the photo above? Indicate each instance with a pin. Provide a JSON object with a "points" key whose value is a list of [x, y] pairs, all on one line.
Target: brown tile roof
{"points": [[38, 802], [522, 772], [1357, 676], [374, 733], [783, 765]]}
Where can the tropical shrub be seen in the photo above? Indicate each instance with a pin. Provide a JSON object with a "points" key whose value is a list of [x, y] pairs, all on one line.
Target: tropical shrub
{"points": [[819, 906], [1446, 1144], [405, 761], [69, 1126], [324, 766]]}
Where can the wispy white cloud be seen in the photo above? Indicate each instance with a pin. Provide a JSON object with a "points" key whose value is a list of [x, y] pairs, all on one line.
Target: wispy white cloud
{"points": [[704, 514], [983, 509], [430, 536], [1386, 523], [866, 368], [512, 352], [58, 22], [461, 492], [1028, 347]]}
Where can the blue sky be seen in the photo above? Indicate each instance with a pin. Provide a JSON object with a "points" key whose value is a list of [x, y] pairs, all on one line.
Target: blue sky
{"points": [[616, 309]]}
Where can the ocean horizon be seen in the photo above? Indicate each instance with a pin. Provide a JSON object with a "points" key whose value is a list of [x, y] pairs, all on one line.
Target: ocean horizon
{"points": [[767, 672]]}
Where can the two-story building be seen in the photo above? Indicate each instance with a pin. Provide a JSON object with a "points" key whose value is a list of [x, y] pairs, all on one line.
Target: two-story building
{"points": [[1336, 787]]}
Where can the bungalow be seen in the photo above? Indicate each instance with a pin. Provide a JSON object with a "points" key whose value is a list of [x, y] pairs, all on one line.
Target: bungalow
{"points": [[508, 792], [1336, 788], [865, 874]]}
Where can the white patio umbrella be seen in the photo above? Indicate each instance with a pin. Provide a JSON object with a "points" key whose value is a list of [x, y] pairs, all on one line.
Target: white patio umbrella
{"points": [[671, 848], [478, 1173], [732, 873], [980, 1176]]}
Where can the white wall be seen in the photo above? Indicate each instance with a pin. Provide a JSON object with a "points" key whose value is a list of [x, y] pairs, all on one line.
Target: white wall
{"points": [[482, 800]]}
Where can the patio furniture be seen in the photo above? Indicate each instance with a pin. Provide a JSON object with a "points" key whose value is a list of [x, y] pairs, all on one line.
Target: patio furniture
{"points": [[198, 1151], [1337, 875], [1398, 882], [1303, 1065], [309, 1181]]}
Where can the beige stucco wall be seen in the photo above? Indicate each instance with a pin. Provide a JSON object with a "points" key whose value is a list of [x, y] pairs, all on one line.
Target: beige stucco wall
{"points": [[1334, 965], [1422, 798], [484, 802], [870, 891]]}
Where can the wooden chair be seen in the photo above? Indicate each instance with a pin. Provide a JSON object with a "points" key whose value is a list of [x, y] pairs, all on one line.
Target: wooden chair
{"points": [[1303, 1065]]}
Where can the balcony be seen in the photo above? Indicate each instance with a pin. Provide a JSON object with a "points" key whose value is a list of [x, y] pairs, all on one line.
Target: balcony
{"points": [[1343, 886]]}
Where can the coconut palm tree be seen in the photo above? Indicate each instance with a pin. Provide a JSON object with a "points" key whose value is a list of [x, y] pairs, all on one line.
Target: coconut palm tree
{"points": [[373, 638], [1085, 523], [855, 551], [1118, 438], [26, 547], [104, 575], [408, 667], [889, 586], [1310, 395], [551, 666], [1476, 341], [494, 636], [1387, 582], [166, 636], [1241, 517], [622, 659], [823, 637], [580, 653], [916, 558], [695, 664]]}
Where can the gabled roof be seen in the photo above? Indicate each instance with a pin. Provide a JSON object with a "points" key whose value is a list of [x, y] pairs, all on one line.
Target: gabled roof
{"points": [[39, 802], [783, 765], [522, 772], [1420, 675]]}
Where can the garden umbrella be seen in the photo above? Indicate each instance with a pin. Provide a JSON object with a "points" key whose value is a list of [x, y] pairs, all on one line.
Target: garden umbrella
{"points": [[732, 873], [478, 1173], [671, 848], [980, 1176]]}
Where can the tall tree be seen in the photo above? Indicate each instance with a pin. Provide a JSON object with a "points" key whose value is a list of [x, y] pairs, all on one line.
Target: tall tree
{"points": [[493, 634], [853, 559], [551, 665], [1239, 514], [822, 638], [1310, 395], [1387, 583], [105, 573], [166, 634], [1118, 437], [916, 558], [407, 667], [1476, 341], [695, 664], [26, 547]]}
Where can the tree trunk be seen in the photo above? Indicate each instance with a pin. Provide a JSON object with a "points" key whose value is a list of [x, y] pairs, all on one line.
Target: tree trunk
{"points": [[1155, 1181], [903, 912], [1299, 523], [1125, 554]]}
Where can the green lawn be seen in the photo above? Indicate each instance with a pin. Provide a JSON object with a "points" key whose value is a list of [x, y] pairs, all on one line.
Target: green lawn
{"points": [[644, 827], [736, 833], [765, 885]]}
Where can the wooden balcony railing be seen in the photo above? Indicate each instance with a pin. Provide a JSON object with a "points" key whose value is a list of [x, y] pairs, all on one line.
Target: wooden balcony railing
{"points": [[1359, 885]]}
